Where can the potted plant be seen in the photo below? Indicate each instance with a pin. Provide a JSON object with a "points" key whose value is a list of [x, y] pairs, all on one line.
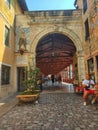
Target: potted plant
{"points": [[31, 92], [32, 78]]}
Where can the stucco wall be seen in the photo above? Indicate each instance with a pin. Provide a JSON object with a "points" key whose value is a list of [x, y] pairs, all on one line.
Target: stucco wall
{"points": [[43, 23], [7, 55]]}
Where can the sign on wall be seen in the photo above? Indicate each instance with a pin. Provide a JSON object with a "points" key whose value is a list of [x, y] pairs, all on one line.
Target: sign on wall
{"points": [[22, 60]]}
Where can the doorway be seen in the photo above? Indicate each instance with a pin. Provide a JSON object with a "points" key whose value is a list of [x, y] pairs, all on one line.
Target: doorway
{"points": [[21, 77]]}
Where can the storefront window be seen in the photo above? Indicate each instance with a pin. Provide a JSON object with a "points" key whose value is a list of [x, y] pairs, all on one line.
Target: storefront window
{"points": [[91, 68], [90, 65]]}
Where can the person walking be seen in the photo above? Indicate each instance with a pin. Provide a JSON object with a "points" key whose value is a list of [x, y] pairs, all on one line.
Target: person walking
{"points": [[52, 79], [39, 82], [60, 80]]}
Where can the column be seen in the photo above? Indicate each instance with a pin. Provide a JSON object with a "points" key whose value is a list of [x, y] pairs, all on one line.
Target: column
{"points": [[81, 65]]}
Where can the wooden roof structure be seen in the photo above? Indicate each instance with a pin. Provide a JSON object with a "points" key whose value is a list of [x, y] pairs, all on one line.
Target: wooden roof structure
{"points": [[54, 52]]}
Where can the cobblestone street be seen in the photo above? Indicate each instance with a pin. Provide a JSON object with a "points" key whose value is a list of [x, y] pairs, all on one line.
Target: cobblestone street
{"points": [[55, 111]]}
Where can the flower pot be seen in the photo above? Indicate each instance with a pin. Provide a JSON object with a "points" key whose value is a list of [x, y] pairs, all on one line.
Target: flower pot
{"points": [[27, 98]]}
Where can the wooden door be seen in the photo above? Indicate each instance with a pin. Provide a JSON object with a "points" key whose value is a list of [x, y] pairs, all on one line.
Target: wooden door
{"points": [[21, 77]]}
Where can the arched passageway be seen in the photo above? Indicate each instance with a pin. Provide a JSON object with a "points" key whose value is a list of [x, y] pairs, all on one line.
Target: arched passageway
{"points": [[54, 52]]}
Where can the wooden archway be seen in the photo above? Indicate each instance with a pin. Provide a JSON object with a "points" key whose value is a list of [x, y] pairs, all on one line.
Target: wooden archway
{"points": [[54, 52]]}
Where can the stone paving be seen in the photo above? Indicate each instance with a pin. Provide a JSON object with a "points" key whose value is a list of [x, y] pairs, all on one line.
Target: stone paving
{"points": [[56, 110]]}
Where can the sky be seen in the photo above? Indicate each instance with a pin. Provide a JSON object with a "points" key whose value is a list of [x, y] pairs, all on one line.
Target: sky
{"points": [[35, 5]]}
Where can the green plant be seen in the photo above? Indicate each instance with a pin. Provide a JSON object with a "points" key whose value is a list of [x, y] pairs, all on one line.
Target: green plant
{"points": [[29, 92], [32, 77]]}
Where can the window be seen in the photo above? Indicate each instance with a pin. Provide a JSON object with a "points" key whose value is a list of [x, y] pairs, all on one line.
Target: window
{"points": [[84, 6], [90, 65], [91, 68], [5, 74], [97, 62], [8, 2], [86, 30], [7, 34]]}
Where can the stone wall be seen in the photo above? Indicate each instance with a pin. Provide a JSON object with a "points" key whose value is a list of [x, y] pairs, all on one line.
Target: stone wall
{"points": [[41, 23]]}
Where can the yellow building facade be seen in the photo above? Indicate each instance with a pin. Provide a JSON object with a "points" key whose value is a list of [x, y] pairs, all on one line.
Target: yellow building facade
{"points": [[8, 10]]}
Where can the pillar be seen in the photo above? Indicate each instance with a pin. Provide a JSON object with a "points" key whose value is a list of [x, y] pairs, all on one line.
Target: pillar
{"points": [[81, 65]]}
